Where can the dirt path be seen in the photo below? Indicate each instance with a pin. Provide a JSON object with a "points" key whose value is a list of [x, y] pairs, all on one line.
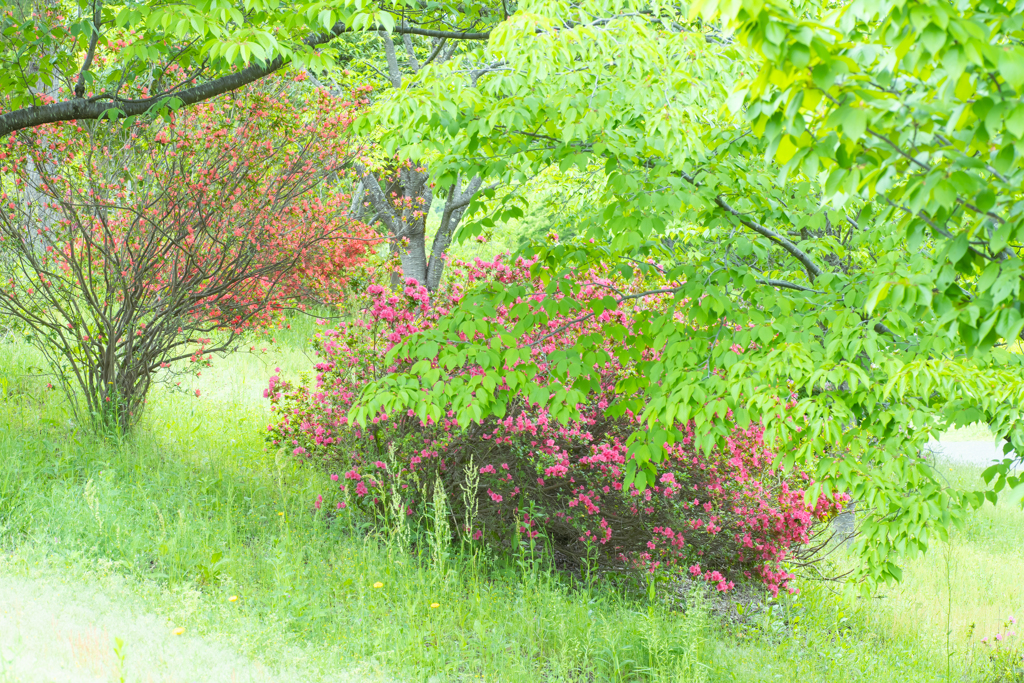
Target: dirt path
{"points": [[55, 629], [68, 633]]}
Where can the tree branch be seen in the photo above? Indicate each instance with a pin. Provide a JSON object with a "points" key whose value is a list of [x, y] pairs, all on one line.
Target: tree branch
{"points": [[785, 284], [391, 55], [588, 316], [97, 18], [78, 109], [454, 208], [809, 265], [414, 63], [379, 201]]}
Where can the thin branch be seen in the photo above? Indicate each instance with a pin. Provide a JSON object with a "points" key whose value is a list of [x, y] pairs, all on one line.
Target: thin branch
{"points": [[433, 55], [584, 318], [97, 18], [789, 285], [809, 265]]}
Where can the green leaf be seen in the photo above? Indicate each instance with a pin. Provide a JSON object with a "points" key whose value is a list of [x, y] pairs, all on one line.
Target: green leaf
{"points": [[854, 122], [877, 294], [933, 38], [1015, 122], [387, 20], [1011, 65], [786, 150], [957, 248]]}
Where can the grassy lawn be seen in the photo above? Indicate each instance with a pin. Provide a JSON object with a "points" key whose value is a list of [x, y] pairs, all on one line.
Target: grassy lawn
{"points": [[191, 510]]}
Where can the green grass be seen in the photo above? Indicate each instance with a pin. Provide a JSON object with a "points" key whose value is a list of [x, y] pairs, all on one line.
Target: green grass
{"points": [[193, 501], [972, 432], [192, 509], [965, 589]]}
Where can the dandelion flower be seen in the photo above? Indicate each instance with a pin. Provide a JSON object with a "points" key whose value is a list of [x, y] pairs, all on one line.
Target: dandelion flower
{"points": [[233, 598], [280, 514], [378, 585], [178, 631], [434, 605]]}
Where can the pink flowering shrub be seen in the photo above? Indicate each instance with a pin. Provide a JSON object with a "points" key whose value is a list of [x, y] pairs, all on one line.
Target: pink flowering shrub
{"points": [[719, 516]]}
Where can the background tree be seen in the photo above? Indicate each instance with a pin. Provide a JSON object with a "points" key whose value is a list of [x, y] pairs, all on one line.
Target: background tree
{"points": [[171, 239], [403, 203], [832, 197]]}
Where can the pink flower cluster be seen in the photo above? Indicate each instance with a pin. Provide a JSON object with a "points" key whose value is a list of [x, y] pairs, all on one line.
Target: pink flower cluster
{"points": [[1007, 633], [722, 516]]}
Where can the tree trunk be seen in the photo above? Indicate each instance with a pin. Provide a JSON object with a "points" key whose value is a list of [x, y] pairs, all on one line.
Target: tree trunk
{"points": [[406, 223]]}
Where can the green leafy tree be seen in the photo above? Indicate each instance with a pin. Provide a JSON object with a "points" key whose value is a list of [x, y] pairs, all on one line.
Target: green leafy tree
{"points": [[832, 193]]}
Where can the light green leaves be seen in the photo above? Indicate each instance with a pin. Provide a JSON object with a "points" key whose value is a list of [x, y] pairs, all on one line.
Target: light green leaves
{"points": [[1011, 65], [142, 47], [852, 121]]}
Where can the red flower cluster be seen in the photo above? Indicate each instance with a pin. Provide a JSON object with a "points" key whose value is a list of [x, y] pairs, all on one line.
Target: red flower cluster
{"points": [[226, 203]]}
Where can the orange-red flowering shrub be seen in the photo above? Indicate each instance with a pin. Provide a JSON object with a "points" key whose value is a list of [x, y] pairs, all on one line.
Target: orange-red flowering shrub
{"points": [[128, 248]]}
